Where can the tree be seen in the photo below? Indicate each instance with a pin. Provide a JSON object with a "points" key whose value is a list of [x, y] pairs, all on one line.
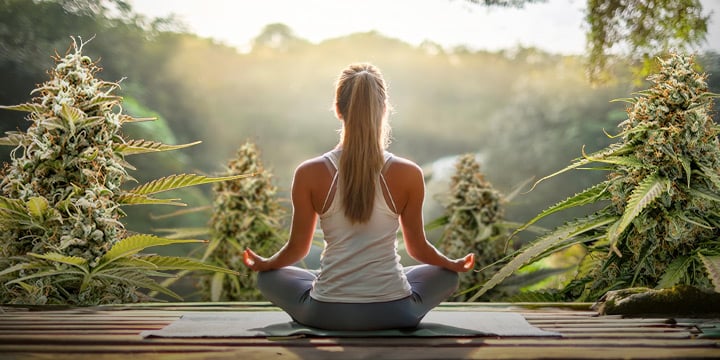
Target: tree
{"points": [[640, 29], [645, 28]]}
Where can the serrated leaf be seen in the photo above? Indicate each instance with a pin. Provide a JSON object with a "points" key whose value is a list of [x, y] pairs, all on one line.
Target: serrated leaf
{"points": [[27, 107], [587, 196], [138, 199], [76, 261], [545, 242], [182, 263], [89, 121], [644, 194], [139, 280], [47, 273], [711, 174], [587, 159], [179, 181], [687, 168], [13, 206], [71, 114], [627, 100], [126, 119], [12, 139], [675, 272], [133, 147], [629, 161], [21, 266], [184, 233], [134, 244], [37, 205], [712, 267]]}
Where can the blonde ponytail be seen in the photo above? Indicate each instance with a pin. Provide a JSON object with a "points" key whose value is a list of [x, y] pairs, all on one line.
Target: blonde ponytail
{"points": [[361, 101]]}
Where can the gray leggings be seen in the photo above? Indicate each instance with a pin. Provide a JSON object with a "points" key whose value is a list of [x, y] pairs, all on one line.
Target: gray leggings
{"points": [[289, 289]]}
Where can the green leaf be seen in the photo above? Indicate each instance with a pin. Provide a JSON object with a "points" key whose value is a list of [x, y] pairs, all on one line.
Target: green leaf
{"points": [[133, 147], [627, 100], [134, 244], [687, 168], [138, 199], [704, 193], [437, 223], [545, 242], [184, 233], [21, 266], [75, 261], [37, 205], [711, 174], [182, 263], [587, 196], [629, 161], [649, 189], [611, 150], [27, 107], [179, 181], [675, 272], [48, 273], [216, 286], [71, 114], [12, 139], [13, 210], [138, 279], [712, 267]]}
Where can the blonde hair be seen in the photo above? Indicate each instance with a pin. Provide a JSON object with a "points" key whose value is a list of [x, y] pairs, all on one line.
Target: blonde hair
{"points": [[361, 101]]}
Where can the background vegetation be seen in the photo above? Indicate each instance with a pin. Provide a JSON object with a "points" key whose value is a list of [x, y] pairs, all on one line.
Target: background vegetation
{"points": [[525, 112]]}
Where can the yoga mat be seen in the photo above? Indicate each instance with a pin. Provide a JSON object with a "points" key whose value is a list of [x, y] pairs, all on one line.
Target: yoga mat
{"points": [[278, 324]]}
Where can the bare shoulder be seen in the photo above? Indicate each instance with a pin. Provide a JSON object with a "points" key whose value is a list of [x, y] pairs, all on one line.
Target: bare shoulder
{"points": [[402, 167], [312, 167]]}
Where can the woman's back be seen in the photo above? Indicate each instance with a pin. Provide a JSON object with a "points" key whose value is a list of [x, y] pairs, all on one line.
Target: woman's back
{"points": [[360, 261]]}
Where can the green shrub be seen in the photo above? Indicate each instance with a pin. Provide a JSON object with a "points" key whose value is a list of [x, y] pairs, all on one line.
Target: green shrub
{"points": [[61, 239], [659, 225]]}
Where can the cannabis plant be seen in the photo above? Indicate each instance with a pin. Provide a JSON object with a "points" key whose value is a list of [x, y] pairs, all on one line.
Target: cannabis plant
{"points": [[659, 226], [472, 222], [61, 239], [246, 213]]}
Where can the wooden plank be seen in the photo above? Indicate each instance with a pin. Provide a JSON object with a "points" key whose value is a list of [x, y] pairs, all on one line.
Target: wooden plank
{"points": [[136, 340], [399, 353]]}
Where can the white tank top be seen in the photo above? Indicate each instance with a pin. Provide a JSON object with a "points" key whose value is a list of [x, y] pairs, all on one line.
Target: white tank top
{"points": [[360, 263]]}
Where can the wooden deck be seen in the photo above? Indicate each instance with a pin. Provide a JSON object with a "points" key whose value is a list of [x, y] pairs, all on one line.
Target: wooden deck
{"points": [[112, 332]]}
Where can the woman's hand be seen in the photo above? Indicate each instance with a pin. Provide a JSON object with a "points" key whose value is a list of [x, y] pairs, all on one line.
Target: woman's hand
{"points": [[254, 261], [464, 264]]}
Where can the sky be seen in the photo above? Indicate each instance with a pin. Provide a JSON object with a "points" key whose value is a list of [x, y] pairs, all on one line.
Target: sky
{"points": [[556, 26]]}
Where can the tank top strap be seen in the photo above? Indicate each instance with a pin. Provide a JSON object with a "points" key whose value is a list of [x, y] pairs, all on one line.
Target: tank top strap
{"points": [[388, 157], [332, 157]]}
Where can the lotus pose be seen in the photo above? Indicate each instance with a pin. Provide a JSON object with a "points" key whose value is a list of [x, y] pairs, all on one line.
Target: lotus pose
{"points": [[362, 195]]}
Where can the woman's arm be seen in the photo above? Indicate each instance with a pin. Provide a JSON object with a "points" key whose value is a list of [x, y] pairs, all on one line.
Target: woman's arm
{"points": [[302, 228], [411, 219]]}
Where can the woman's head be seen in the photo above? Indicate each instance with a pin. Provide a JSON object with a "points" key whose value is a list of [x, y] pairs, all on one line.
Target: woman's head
{"points": [[361, 102], [361, 93]]}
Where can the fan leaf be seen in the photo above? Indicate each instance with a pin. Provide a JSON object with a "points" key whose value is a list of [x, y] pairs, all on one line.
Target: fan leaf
{"points": [[587, 196], [649, 189], [179, 181], [538, 247], [133, 147], [134, 244], [712, 267]]}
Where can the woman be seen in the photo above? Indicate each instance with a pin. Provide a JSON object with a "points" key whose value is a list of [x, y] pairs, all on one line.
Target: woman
{"points": [[362, 195]]}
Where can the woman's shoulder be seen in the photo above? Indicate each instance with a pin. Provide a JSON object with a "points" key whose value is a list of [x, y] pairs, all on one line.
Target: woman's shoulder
{"points": [[402, 164], [312, 165], [403, 168]]}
